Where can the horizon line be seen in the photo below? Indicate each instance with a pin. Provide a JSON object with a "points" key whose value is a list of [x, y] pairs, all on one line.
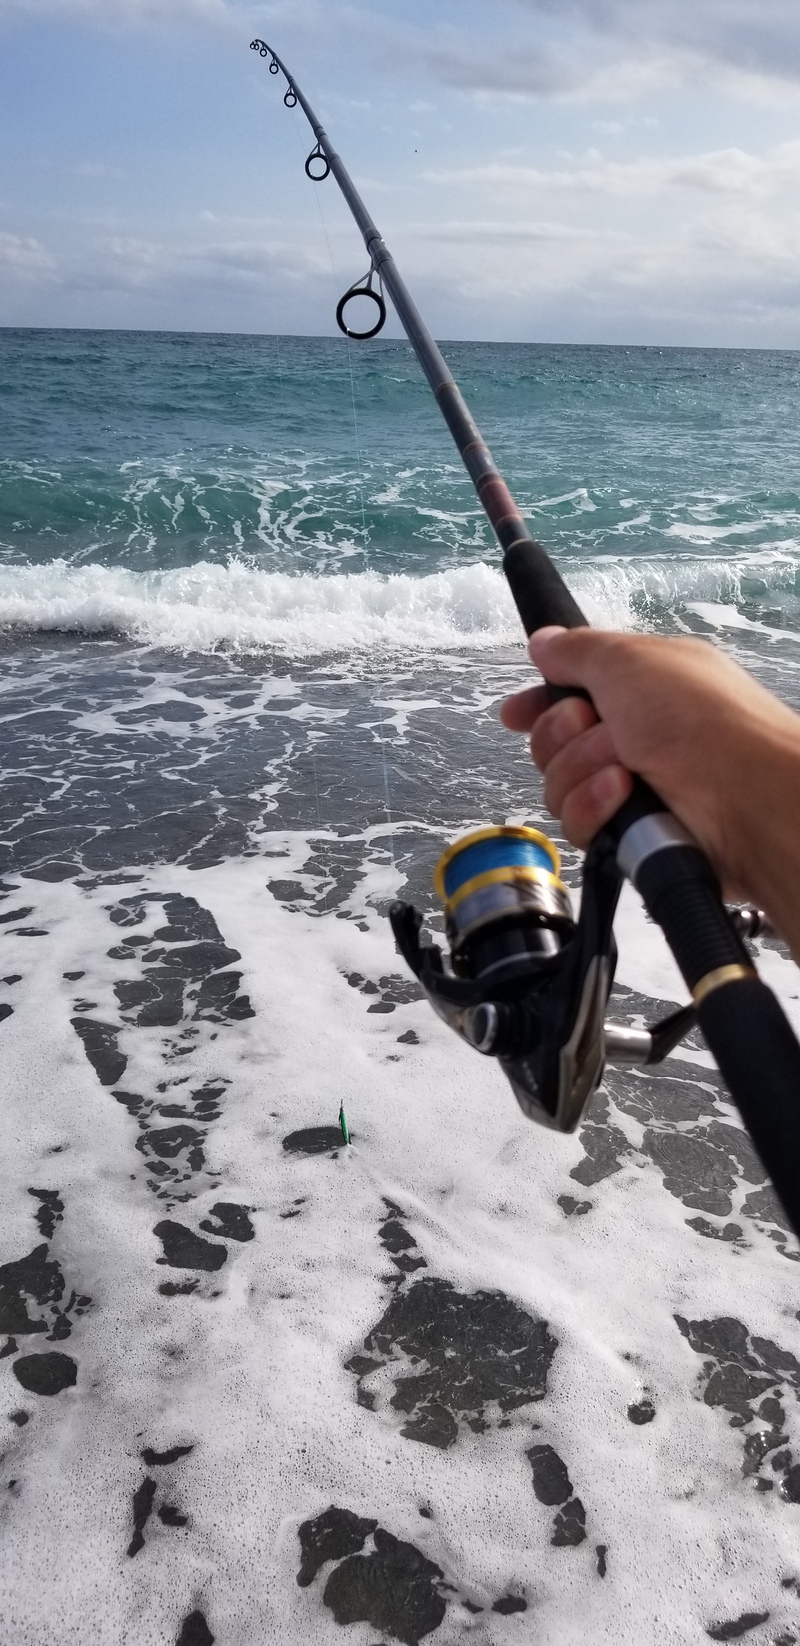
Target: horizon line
{"points": [[460, 342]]}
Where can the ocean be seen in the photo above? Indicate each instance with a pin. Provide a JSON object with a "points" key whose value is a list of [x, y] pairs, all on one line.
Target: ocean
{"points": [[463, 1378]]}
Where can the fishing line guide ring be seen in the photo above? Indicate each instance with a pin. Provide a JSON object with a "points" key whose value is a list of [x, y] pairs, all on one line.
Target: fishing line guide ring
{"points": [[265, 51], [362, 288], [318, 176], [290, 97]]}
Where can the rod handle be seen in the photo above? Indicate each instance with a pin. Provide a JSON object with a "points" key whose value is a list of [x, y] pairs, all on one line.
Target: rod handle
{"points": [[743, 1024], [540, 594], [757, 1055]]}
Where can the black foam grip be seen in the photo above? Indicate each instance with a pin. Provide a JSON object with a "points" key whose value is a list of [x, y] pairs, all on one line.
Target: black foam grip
{"points": [[759, 1060], [744, 1026], [680, 891], [540, 594]]}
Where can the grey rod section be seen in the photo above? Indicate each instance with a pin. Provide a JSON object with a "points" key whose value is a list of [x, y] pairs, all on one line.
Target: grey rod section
{"points": [[432, 362]]}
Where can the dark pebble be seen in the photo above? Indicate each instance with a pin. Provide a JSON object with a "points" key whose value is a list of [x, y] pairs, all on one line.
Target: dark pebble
{"points": [[395, 1589], [574, 1208], [330, 1536], [185, 1250], [551, 1482], [569, 1525], [314, 1140], [737, 1626], [156, 1459], [233, 1221], [142, 1509], [195, 1631], [46, 1374]]}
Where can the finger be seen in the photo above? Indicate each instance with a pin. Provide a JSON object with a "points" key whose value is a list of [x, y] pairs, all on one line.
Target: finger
{"points": [[519, 712], [577, 761], [558, 726], [592, 804]]}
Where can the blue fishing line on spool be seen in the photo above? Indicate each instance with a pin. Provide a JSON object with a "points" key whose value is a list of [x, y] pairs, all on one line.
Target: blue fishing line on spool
{"points": [[503, 897], [502, 852]]}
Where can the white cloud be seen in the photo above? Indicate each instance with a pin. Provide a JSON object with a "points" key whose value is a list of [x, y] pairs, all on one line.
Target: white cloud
{"points": [[475, 231], [235, 17], [122, 262], [614, 50], [22, 258], [116, 13], [735, 277], [725, 171], [753, 36]]}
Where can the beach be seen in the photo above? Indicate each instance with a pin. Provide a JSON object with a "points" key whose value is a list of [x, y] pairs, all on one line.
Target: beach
{"points": [[463, 1377]]}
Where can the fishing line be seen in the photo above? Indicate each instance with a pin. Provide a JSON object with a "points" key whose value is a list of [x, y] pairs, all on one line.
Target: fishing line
{"points": [[277, 341], [326, 867], [387, 792], [349, 352], [284, 418]]}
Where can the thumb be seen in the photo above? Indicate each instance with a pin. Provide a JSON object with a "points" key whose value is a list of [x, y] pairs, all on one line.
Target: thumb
{"points": [[566, 657]]}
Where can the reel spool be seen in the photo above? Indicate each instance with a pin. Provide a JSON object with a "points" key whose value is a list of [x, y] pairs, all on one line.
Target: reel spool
{"points": [[504, 900]]}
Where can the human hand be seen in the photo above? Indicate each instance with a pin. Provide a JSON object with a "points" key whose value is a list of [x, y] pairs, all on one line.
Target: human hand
{"points": [[722, 753]]}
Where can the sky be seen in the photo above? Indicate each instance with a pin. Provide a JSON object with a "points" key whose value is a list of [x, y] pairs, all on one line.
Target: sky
{"points": [[578, 171]]}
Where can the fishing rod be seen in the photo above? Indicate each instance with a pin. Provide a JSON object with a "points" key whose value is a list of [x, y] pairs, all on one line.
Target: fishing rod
{"points": [[525, 982]]}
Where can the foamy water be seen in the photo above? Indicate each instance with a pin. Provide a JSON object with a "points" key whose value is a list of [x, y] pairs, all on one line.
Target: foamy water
{"points": [[463, 1378], [243, 608]]}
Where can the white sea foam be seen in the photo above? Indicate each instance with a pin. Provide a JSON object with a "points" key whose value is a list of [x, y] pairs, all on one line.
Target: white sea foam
{"points": [[250, 1371], [204, 607], [241, 607]]}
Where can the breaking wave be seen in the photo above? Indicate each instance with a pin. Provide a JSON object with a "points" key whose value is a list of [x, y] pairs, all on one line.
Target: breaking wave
{"points": [[237, 607]]}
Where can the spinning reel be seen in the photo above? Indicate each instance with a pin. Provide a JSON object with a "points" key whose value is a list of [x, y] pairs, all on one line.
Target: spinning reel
{"points": [[527, 983]]}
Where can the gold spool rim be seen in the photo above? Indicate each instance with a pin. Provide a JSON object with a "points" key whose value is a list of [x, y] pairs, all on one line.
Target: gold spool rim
{"points": [[528, 875], [513, 831]]}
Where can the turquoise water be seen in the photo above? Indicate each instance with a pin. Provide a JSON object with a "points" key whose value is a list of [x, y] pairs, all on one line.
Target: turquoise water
{"points": [[212, 513], [652, 475]]}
